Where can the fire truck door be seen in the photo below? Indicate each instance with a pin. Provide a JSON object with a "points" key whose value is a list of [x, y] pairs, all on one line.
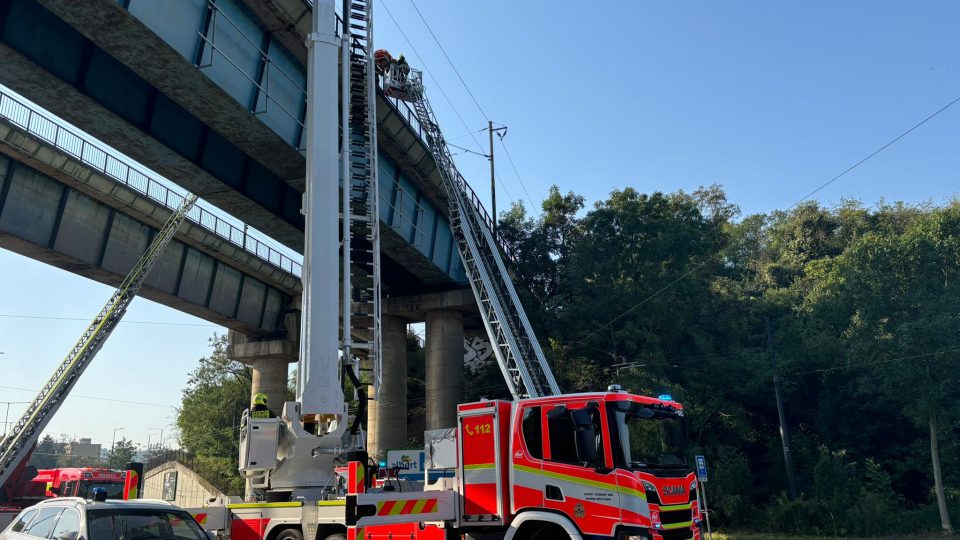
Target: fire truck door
{"points": [[586, 492]]}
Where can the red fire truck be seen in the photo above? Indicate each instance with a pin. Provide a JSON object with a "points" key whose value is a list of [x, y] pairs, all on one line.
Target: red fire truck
{"points": [[597, 465], [67, 482]]}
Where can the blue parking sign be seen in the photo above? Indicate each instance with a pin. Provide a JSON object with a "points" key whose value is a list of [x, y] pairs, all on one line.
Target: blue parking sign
{"points": [[701, 468]]}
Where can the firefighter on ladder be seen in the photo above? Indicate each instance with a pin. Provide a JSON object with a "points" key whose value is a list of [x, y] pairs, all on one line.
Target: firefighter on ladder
{"points": [[259, 408]]}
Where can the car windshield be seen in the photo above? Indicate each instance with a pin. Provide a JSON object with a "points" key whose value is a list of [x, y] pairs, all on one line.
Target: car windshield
{"points": [[142, 524], [114, 489], [649, 438]]}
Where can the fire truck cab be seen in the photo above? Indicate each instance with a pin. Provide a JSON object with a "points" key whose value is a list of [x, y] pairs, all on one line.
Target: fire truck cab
{"points": [[594, 465]]}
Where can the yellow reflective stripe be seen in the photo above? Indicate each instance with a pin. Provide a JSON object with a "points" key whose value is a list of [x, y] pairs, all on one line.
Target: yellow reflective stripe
{"points": [[676, 507], [266, 505], [582, 481], [331, 503], [417, 508], [475, 466], [677, 525], [397, 508]]}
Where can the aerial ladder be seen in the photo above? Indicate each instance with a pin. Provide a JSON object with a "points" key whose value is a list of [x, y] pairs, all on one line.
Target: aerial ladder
{"points": [[514, 344], [19, 443], [360, 312]]}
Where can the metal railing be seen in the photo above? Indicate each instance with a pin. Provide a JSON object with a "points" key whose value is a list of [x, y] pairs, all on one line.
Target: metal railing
{"points": [[406, 113], [94, 155]]}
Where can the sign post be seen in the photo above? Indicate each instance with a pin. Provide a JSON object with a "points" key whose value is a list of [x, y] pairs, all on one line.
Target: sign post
{"points": [[702, 479]]}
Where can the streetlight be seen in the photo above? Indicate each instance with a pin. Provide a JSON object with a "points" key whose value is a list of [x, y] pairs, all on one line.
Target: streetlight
{"points": [[6, 418], [160, 444], [114, 441]]}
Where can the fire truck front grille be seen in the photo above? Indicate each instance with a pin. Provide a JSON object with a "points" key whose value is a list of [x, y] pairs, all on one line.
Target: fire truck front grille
{"points": [[675, 516], [677, 534]]}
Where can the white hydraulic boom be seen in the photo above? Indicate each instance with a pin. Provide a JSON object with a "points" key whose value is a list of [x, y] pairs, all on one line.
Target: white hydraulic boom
{"points": [[514, 344], [20, 441]]}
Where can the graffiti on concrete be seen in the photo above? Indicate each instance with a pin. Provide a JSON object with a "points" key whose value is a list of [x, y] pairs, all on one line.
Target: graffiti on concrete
{"points": [[477, 353]]}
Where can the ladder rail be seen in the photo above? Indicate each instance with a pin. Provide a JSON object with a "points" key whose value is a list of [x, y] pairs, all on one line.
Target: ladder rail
{"points": [[24, 433], [361, 317], [515, 346]]}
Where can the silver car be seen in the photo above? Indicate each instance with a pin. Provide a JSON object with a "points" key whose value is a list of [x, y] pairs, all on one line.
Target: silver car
{"points": [[73, 518]]}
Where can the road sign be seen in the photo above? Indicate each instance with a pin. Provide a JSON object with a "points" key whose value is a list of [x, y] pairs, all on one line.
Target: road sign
{"points": [[701, 468]]}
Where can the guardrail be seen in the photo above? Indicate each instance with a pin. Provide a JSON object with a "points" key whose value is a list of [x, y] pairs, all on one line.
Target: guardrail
{"points": [[94, 155], [407, 114]]}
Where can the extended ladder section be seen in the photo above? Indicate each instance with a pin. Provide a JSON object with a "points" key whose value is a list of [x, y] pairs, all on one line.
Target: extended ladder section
{"points": [[20, 441], [514, 343], [361, 222]]}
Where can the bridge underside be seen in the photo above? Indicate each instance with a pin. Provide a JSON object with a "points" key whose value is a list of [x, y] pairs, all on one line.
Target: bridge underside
{"points": [[151, 92], [47, 214]]}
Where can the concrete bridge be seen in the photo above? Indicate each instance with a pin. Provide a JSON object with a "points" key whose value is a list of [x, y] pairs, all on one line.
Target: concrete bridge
{"points": [[211, 95]]}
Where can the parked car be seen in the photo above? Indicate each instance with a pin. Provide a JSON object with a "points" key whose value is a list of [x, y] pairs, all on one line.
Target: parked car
{"points": [[73, 518]]}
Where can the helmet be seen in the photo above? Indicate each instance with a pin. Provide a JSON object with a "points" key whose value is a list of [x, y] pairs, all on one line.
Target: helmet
{"points": [[401, 58], [259, 398]]}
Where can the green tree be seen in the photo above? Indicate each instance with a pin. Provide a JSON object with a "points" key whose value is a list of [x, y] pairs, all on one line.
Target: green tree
{"points": [[47, 453], [217, 393], [894, 295], [121, 453]]}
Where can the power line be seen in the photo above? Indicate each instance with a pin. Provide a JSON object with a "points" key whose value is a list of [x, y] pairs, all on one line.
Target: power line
{"points": [[475, 102], [98, 398], [715, 255], [455, 70], [877, 362], [468, 150], [523, 185], [47, 318], [436, 81]]}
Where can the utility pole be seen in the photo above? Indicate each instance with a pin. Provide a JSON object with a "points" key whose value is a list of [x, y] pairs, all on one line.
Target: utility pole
{"points": [[493, 184], [784, 432], [6, 416]]}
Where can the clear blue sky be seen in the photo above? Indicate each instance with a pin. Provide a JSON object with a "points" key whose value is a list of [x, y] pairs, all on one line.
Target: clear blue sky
{"points": [[768, 99]]}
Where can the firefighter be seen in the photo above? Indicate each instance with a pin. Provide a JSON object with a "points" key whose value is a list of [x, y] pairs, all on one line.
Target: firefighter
{"points": [[403, 69], [259, 408]]}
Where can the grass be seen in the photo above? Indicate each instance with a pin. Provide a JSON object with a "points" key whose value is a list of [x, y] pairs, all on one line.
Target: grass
{"points": [[770, 536]]}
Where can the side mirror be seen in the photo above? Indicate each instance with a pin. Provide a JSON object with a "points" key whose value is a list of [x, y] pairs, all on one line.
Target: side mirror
{"points": [[586, 446]]}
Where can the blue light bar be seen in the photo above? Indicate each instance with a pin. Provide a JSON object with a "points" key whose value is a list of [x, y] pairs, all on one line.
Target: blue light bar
{"points": [[665, 397]]}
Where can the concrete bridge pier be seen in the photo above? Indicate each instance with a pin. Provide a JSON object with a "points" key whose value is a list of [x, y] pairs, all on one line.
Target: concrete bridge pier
{"points": [[444, 367], [269, 359], [387, 416]]}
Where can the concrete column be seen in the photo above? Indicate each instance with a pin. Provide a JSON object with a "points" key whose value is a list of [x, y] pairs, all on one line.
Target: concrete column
{"points": [[444, 367], [389, 422], [270, 377]]}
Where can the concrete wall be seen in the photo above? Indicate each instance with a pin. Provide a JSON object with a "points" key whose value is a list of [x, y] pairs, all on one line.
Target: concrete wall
{"points": [[192, 491]]}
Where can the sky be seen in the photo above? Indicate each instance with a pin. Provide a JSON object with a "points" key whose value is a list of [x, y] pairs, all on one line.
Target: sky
{"points": [[769, 99]]}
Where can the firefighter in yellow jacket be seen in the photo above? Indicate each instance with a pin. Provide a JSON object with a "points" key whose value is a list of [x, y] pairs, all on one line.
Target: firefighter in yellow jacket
{"points": [[259, 408]]}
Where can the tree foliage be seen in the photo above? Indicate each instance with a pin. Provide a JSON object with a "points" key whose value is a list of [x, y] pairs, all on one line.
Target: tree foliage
{"points": [[208, 419], [670, 292]]}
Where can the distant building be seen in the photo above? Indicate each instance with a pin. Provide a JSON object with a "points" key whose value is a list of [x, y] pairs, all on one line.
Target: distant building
{"points": [[82, 448]]}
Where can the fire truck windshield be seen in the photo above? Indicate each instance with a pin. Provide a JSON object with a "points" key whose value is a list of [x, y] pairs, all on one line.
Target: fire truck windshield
{"points": [[648, 438], [114, 489]]}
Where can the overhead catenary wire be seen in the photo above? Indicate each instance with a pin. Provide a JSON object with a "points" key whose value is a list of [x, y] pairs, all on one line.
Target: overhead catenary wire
{"points": [[475, 101], [792, 206], [878, 362], [436, 81], [98, 398], [124, 321]]}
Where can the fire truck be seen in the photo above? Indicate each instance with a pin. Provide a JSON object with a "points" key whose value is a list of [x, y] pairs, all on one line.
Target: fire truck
{"points": [[67, 482], [598, 465]]}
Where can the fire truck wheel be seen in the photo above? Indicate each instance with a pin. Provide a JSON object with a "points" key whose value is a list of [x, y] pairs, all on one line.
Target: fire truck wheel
{"points": [[337, 536], [289, 534]]}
